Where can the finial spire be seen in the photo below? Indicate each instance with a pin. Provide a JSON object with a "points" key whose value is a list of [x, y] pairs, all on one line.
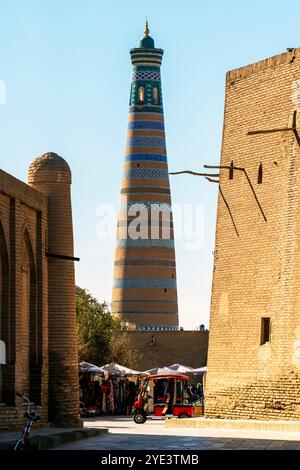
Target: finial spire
{"points": [[146, 31]]}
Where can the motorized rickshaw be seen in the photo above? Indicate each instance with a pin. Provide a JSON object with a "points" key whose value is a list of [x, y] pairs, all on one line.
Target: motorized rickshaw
{"points": [[165, 396]]}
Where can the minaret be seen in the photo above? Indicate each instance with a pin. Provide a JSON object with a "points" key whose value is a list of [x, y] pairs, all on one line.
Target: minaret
{"points": [[144, 290]]}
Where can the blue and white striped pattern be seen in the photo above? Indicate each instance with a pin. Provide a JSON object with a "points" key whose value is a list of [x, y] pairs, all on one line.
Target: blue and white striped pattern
{"points": [[145, 157], [154, 125], [155, 328], [145, 206], [156, 173], [136, 283], [145, 243], [146, 141]]}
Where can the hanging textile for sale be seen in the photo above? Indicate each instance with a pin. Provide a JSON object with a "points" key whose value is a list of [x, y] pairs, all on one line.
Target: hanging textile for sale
{"points": [[105, 394], [111, 398]]}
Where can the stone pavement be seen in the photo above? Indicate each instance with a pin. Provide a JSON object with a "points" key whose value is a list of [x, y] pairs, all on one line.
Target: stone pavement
{"points": [[124, 434], [240, 424], [47, 437]]}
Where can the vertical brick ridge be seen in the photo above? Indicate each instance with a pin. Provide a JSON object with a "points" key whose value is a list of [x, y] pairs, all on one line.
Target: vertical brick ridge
{"points": [[50, 174], [23, 286]]}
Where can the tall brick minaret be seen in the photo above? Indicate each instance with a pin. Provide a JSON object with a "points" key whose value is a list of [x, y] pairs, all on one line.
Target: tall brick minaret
{"points": [[144, 291]]}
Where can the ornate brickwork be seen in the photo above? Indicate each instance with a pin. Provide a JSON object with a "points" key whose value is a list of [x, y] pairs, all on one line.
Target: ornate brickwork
{"points": [[145, 187]]}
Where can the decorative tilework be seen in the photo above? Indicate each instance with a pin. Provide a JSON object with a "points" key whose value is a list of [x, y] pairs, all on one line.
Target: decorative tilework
{"points": [[134, 312], [126, 261], [146, 141], [156, 328], [151, 157], [136, 283], [146, 205], [146, 300], [148, 115], [169, 263], [145, 243], [146, 108], [151, 173], [147, 148], [146, 75], [171, 268], [144, 56], [147, 68], [156, 173], [145, 191], [153, 125]]}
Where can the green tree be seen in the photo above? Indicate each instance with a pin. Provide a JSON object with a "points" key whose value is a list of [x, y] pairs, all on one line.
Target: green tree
{"points": [[123, 354], [95, 326]]}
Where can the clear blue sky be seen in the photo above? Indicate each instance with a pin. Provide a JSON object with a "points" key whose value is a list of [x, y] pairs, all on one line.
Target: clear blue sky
{"points": [[67, 71]]}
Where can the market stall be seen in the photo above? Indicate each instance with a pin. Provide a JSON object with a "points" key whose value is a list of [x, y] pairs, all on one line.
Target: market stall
{"points": [[160, 371], [107, 390], [121, 385], [196, 390], [90, 379]]}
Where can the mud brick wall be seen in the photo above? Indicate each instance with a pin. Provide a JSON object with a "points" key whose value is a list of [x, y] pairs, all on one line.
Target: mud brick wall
{"points": [[24, 314], [37, 295], [257, 256], [163, 348]]}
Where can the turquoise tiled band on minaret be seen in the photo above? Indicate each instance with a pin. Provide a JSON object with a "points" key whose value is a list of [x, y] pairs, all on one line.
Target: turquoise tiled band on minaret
{"points": [[144, 289]]}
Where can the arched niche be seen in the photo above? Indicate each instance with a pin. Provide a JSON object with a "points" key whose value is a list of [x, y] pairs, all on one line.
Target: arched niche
{"points": [[4, 312], [30, 322]]}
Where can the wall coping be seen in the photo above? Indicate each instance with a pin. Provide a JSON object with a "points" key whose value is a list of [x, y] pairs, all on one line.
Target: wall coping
{"points": [[271, 62], [17, 189]]}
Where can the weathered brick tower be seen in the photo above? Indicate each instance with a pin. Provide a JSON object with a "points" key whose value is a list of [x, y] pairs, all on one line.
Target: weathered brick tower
{"points": [[254, 339], [144, 291], [51, 175]]}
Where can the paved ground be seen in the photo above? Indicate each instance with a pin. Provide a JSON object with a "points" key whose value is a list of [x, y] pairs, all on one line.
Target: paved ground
{"points": [[124, 434], [47, 437]]}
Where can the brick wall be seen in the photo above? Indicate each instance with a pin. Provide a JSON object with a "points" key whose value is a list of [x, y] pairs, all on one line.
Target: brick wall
{"points": [[163, 348], [37, 295], [257, 262], [23, 222]]}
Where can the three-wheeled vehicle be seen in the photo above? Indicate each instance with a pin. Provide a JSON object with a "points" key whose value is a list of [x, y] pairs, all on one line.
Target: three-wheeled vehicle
{"points": [[164, 396]]}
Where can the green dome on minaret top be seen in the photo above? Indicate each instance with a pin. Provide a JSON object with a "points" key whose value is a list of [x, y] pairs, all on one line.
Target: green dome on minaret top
{"points": [[147, 42]]}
